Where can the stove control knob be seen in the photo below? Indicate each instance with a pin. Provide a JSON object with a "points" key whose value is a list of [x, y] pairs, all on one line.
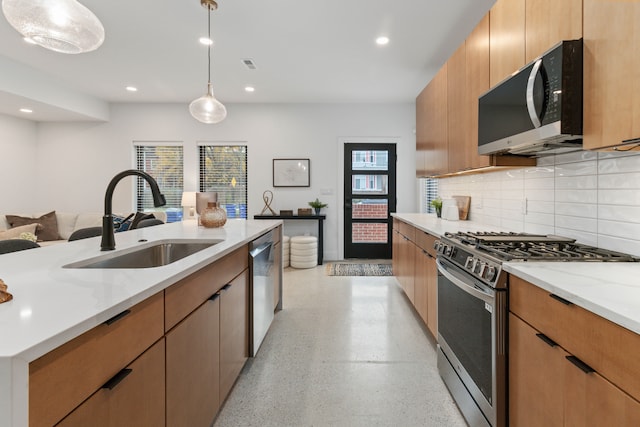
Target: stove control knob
{"points": [[490, 273], [469, 263], [447, 250], [436, 245], [479, 268]]}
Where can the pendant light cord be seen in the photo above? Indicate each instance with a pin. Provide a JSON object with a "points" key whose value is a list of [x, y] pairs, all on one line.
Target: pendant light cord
{"points": [[210, 42]]}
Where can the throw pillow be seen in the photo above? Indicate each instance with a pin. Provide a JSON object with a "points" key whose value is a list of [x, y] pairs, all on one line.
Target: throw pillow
{"points": [[14, 233], [48, 222]]}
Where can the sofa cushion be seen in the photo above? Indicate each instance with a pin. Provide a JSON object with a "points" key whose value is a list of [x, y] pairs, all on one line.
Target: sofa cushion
{"points": [[15, 232], [66, 223], [48, 222]]}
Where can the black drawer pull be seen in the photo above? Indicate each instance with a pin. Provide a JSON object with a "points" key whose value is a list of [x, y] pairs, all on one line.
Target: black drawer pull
{"points": [[547, 340], [580, 364], [562, 300], [117, 378], [117, 317], [225, 287], [214, 296]]}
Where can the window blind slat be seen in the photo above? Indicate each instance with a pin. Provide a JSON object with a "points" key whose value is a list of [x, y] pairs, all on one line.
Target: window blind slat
{"points": [[165, 164], [430, 187], [223, 169]]}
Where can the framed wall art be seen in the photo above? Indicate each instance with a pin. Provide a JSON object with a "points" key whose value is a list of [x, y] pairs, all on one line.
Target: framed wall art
{"points": [[291, 172]]}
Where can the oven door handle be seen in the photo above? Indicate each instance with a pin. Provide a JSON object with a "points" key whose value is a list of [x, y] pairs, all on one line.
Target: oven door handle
{"points": [[471, 290]]}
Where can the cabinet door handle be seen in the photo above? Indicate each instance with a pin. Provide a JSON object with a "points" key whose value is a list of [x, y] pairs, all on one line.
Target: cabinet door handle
{"points": [[117, 378], [580, 364], [214, 296], [562, 300], [117, 317], [225, 287], [547, 340]]}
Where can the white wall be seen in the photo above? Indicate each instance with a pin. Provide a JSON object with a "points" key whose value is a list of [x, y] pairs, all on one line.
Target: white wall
{"points": [[77, 160], [592, 197], [18, 164]]}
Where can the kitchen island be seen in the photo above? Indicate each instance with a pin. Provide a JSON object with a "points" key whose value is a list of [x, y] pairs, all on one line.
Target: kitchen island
{"points": [[53, 305]]}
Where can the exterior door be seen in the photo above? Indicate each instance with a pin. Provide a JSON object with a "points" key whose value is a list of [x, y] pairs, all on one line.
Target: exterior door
{"points": [[369, 199]]}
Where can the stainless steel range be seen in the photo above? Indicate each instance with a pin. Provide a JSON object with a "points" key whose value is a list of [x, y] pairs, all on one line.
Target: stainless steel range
{"points": [[472, 311]]}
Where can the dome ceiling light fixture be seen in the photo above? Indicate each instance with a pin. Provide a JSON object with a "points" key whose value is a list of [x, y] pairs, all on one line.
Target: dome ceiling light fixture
{"points": [[64, 26], [207, 109]]}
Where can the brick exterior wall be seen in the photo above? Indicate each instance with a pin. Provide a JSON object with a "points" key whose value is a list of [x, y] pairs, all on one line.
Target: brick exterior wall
{"points": [[369, 233]]}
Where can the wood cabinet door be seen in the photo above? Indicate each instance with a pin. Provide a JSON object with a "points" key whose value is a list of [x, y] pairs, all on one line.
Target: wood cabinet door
{"points": [[234, 331], [408, 267], [477, 83], [507, 39], [422, 109], [591, 400], [611, 72], [436, 139], [536, 378], [457, 119], [548, 22], [396, 266], [432, 296], [420, 283], [193, 367], [135, 397]]}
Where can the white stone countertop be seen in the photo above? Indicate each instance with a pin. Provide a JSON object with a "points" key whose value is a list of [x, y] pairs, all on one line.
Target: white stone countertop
{"points": [[52, 305], [608, 289]]}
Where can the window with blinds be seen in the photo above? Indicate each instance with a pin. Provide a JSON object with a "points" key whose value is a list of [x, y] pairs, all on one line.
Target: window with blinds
{"points": [[223, 169], [164, 162], [430, 188]]}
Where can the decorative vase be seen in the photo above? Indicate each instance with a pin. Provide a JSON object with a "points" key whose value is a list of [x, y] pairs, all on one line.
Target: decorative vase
{"points": [[213, 216], [439, 212], [317, 210]]}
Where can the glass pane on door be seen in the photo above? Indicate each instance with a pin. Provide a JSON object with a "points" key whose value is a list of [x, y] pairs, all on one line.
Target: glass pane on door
{"points": [[370, 209], [362, 232], [376, 160], [369, 184]]}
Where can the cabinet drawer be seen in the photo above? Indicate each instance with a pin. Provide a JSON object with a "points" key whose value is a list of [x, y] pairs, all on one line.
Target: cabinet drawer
{"points": [[425, 241], [63, 378], [186, 295], [608, 348], [407, 230], [137, 399]]}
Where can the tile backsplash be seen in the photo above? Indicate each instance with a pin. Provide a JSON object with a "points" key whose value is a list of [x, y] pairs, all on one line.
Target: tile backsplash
{"points": [[590, 196]]}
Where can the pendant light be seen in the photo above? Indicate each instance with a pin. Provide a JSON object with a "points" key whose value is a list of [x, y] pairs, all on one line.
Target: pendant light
{"points": [[63, 26], [207, 108]]}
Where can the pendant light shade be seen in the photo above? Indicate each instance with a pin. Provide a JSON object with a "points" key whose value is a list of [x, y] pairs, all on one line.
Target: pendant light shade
{"points": [[207, 109], [63, 26]]}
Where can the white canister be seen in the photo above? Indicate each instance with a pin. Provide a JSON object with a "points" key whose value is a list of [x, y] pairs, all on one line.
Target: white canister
{"points": [[450, 210]]}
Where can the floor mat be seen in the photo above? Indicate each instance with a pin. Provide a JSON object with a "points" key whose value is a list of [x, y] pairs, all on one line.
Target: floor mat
{"points": [[344, 269]]}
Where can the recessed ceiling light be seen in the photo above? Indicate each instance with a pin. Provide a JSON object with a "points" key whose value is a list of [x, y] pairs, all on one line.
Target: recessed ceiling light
{"points": [[249, 89], [382, 40], [205, 41], [131, 88], [26, 110]]}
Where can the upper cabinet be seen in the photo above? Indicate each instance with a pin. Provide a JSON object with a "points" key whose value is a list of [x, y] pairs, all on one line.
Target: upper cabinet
{"points": [[457, 112], [507, 39], [431, 125], [548, 22], [611, 73], [477, 83]]}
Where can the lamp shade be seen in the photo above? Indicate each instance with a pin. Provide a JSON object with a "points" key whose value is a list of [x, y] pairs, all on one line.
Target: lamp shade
{"points": [[188, 199], [64, 26], [207, 109]]}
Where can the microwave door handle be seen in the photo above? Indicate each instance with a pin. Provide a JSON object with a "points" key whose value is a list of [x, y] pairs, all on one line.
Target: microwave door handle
{"points": [[533, 114]]}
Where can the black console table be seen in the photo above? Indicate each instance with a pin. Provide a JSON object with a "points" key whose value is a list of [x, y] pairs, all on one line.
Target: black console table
{"points": [[319, 218]]}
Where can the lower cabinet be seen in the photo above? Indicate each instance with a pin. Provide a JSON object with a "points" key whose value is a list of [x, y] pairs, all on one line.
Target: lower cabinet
{"points": [[414, 266], [234, 331], [193, 367], [134, 397], [549, 385]]}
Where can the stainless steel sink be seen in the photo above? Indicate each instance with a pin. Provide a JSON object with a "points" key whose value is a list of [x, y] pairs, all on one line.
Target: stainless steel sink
{"points": [[153, 254]]}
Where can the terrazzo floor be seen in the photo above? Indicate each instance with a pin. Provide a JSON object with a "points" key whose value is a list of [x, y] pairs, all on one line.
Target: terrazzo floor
{"points": [[344, 351]]}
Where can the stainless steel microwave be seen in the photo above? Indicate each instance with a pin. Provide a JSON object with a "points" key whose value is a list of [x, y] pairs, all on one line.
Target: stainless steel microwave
{"points": [[538, 109]]}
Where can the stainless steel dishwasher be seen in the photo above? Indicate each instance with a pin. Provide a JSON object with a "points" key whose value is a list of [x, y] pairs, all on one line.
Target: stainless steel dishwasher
{"points": [[261, 292]]}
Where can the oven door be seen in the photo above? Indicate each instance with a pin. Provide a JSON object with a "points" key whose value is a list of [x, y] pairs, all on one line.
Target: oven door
{"points": [[471, 334]]}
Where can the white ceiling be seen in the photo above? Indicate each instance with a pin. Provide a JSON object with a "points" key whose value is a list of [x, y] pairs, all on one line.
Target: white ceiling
{"points": [[305, 52]]}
